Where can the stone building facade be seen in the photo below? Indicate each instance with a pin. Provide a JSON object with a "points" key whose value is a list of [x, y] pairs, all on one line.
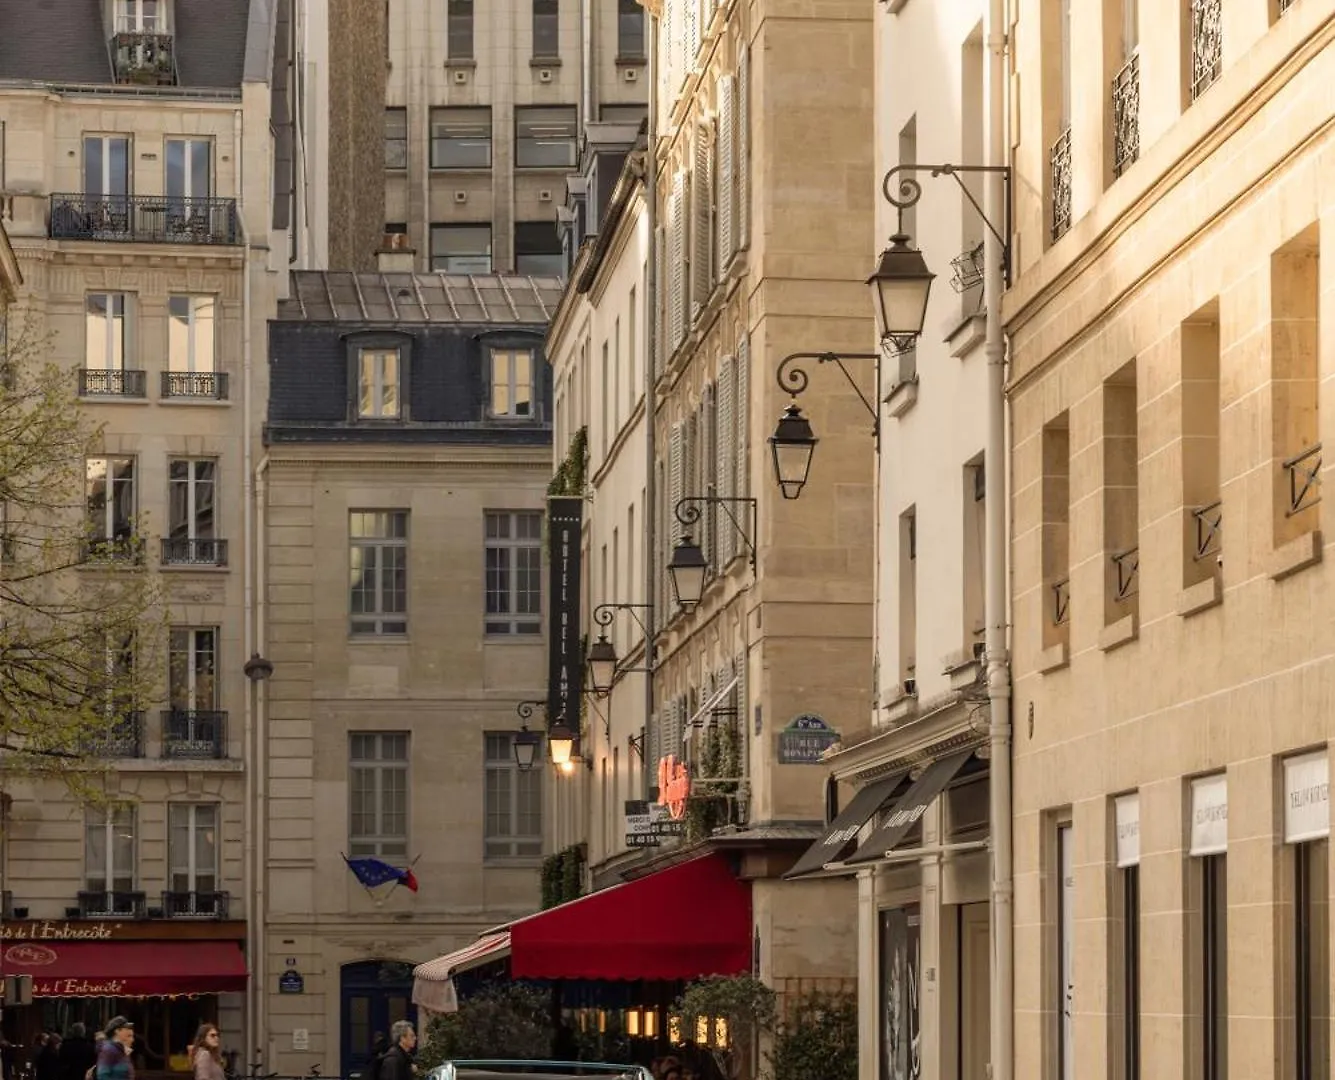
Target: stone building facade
{"points": [[408, 450], [1171, 358], [144, 251]]}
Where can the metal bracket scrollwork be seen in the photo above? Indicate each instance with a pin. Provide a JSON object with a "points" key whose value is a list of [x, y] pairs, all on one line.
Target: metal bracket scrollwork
{"points": [[902, 190], [690, 509], [525, 709], [605, 614], [794, 380]]}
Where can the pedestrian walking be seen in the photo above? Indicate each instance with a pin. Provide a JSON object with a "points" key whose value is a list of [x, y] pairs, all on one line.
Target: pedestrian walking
{"points": [[113, 1059], [77, 1054], [46, 1062], [206, 1060], [398, 1063]]}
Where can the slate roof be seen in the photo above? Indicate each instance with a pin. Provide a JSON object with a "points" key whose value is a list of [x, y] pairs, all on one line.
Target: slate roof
{"points": [[62, 41], [343, 296]]}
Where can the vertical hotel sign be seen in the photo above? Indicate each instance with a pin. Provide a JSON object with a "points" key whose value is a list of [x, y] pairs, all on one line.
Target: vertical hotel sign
{"points": [[565, 672]]}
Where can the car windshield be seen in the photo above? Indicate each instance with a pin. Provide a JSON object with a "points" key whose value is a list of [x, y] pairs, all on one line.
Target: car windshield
{"points": [[537, 1070]]}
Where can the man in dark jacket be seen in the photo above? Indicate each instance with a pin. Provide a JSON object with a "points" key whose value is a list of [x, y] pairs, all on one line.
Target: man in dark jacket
{"points": [[77, 1054], [398, 1063]]}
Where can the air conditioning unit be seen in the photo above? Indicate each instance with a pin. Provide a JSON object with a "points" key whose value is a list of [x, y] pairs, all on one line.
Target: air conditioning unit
{"points": [[460, 78], [461, 196], [632, 74], [544, 75], [545, 195]]}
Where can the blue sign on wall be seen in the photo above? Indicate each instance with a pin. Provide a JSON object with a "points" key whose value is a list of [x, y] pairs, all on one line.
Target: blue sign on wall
{"points": [[291, 982], [804, 740]]}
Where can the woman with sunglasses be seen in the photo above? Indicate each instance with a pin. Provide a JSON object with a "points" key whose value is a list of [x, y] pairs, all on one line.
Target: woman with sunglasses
{"points": [[206, 1059]]}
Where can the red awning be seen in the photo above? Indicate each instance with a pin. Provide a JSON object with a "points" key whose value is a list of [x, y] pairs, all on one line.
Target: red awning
{"points": [[128, 968], [685, 922]]}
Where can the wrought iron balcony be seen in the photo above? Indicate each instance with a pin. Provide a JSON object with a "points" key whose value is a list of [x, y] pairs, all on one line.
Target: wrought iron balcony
{"points": [[1127, 567], [111, 905], [123, 738], [1209, 529], [1126, 116], [199, 734], [1207, 44], [184, 551], [144, 57], [195, 905], [1061, 601], [1061, 184], [195, 384], [144, 219], [1304, 479], [117, 382], [114, 551]]}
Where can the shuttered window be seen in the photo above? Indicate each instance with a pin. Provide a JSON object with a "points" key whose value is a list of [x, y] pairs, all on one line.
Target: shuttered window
{"points": [[727, 389], [709, 459], [677, 264], [743, 126], [675, 455], [727, 172], [742, 469], [702, 219], [656, 342]]}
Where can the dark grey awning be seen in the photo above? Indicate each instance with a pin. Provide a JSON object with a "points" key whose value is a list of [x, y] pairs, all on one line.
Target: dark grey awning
{"points": [[910, 807], [840, 834]]}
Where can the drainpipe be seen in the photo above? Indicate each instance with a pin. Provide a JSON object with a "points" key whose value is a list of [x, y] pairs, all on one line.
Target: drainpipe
{"points": [[254, 984], [995, 602], [651, 571], [260, 761]]}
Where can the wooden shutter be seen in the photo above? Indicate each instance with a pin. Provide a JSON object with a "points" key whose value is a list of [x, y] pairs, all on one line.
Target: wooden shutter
{"points": [[743, 126], [726, 153], [661, 538], [727, 390], [739, 696], [677, 264], [656, 339], [652, 752], [675, 454], [691, 35], [742, 469], [702, 219], [709, 460]]}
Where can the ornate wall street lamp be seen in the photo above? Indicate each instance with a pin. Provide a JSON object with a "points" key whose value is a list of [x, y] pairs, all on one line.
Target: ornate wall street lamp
{"points": [[526, 743], [686, 568], [602, 655], [793, 443]]}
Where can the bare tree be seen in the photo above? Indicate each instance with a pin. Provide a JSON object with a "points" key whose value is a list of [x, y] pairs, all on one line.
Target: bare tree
{"points": [[81, 619]]}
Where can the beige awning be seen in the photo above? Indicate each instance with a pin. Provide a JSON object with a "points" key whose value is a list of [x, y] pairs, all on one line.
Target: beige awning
{"points": [[433, 981]]}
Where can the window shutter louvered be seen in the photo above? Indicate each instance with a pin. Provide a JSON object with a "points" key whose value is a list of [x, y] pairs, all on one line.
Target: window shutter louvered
{"points": [[674, 483], [690, 451], [660, 304], [739, 696], [653, 751], [709, 458], [742, 209], [726, 158], [672, 46], [742, 470], [691, 36], [702, 215], [677, 265], [725, 457], [662, 542]]}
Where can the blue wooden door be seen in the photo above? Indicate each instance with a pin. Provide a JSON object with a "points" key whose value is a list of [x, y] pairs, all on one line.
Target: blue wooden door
{"points": [[374, 995]]}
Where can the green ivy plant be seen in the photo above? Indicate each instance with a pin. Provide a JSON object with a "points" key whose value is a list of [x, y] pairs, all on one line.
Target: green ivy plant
{"points": [[562, 876], [508, 1021], [743, 1002], [817, 1037], [707, 807], [572, 473]]}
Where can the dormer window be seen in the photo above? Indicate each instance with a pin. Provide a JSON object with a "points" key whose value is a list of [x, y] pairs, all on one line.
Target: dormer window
{"points": [[141, 17], [142, 46]]}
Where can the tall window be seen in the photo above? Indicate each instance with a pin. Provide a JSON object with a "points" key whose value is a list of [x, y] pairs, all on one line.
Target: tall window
{"points": [[111, 501], [538, 250], [140, 17], [105, 323], [192, 855], [191, 503], [109, 855], [459, 30], [188, 168], [191, 331], [1126, 811], [630, 30], [461, 138], [396, 138], [379, 571], [1065, 955], [378, 395], [514, 572], [1306, 835], [513, 802], [512, 383], [378, 794], [193, 669], [106, 165], [461, 249], [545, 136], [1208, 849], [546, 28]]}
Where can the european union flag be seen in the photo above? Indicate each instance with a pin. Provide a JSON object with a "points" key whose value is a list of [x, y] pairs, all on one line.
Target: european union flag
{"points": [[373, 872]]}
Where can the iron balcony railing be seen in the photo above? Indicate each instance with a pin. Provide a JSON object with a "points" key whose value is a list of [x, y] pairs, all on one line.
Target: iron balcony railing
{"points": [[144, 219], [109, 905], [144, 57], [1126, 116], [194, 733], [1127, 566], [1207, 44], [195, 384], [1209, 529], [1304, 479], [186, 551], [1061, 184], [123, 738], [117, 382], [1061, 601], [114, 550], [195, 905]]}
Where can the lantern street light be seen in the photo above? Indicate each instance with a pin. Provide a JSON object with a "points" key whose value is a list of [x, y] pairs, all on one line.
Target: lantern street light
{"points": [[686, 569], [900, 287], [526, 743], [601, 660], [792, 446], [560, 743], [688, 565]]}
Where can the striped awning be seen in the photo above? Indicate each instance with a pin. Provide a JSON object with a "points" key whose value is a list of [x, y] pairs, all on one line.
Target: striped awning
{"points": [[433, 981]]}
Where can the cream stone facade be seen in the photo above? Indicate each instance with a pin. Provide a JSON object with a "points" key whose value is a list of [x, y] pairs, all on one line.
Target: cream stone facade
{"points": [[1171, 363], [393, 700], [483, 106], [154, 297]]}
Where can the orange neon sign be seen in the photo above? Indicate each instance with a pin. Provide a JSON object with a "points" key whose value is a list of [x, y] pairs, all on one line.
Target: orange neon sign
{"points": [[674, 786]]}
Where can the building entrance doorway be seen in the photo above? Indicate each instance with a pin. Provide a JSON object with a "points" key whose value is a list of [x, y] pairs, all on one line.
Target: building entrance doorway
{"points": [[975, 1030], [373, 995]]}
